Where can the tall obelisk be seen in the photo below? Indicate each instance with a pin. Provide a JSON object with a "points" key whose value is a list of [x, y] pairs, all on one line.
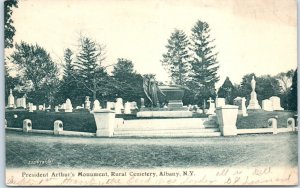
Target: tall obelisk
{"points": [[253, 103]]}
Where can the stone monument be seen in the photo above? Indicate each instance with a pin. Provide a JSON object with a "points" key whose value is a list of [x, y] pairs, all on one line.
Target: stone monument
{"points": [[253, 103], [87, 103], [212, 107], [267, 105], [11, 100], [241, 103], [96, 106], [275, 103], [220, 102], [127, 109], [68, 106]]}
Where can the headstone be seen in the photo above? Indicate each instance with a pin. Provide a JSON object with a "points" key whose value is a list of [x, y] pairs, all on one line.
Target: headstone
{"points": [[120, 102], [87, 103], [275, 103], [220, 102], [212, 107], [118, 108], [56, 109], [21, 102], [241, 103], [142, 103], [30, 107], [68, 107], [11, 100], [63, 106], [34, 107], [96, 106], [253, 103], [127, 109], [110, 105], [40, 107], [133, 105], [44, 107], [267, 105]]}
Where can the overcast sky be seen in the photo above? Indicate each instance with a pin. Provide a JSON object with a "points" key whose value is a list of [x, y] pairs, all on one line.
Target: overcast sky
{"points": [[250, 35]]}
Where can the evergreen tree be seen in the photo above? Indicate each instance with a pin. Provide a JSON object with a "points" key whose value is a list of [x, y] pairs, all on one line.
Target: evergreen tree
{"points": [[69, 66], [9, 29], [227, 91], [176, 59], [204, 64], [130, 83], [91, 74], [292, 97]]}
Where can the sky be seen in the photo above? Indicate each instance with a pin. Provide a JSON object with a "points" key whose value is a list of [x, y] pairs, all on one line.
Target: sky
{"points": [[250, 35]]}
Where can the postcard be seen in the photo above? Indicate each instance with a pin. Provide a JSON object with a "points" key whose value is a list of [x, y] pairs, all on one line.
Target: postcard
{"points": [[151, 93]]}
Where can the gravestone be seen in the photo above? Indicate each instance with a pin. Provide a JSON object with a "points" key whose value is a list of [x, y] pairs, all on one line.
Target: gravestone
{"points": [[21, 102], [30, 107], [56, 109], [275, 103], [133, 105], [127, 109], [110, 105], [40, 107], [220, 102], [68, 107], [87, 103], [253, 103], [267, 105], [212, 107], [241, 103], [96, 106], [11, 100], [120, 102], [119, 106], [142, 103]]}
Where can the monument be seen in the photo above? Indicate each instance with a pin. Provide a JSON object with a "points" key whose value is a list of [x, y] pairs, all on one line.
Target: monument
{"points": [[275, 103], [87, 103], [253, 103], [212, 107], [68, 107], [158, 96], [267, 105], [11, 100], [127, 109], [241, 103], [96, 106]]}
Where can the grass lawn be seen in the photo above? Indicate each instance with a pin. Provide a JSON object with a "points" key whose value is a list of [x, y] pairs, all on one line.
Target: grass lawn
{"points": [[259, 119], [81, 152], [84, 121]]}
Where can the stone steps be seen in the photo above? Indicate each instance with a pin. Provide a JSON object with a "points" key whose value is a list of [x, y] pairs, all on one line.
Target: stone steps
{"points": [[159, 124], [209, 132], [166, 133]]}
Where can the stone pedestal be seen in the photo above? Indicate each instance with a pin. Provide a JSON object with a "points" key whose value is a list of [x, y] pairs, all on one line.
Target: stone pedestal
{"points": [[253, 103], [58, 127], [227, 116], [220, 102], [105, 122], [27, 125]]}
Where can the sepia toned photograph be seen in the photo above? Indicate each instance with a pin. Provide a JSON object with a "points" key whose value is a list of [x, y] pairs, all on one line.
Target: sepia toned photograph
{"points": [[150, 93]]}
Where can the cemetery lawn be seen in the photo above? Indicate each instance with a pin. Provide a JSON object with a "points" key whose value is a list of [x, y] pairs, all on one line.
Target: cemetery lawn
{"points": [[84, 121], [259, 119], [82, 152]]}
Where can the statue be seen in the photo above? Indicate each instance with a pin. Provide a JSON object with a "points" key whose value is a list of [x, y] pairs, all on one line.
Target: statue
{"points": [[151, 90]]}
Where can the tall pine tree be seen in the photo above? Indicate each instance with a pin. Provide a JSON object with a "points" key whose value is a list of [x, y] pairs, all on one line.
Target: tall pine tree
{"points": [[204, 64], [176, 59], [91, 74]]}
